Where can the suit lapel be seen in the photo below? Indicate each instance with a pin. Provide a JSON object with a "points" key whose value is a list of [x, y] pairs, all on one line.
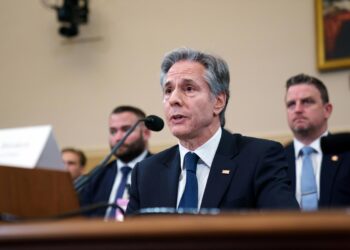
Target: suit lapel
{"points": [[108, 181], [169, 178], [290, 154], [222, 170], [329, 168]]}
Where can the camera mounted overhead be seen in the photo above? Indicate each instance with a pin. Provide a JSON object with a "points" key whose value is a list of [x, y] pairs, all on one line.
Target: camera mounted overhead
{"points": [[71, 14]]}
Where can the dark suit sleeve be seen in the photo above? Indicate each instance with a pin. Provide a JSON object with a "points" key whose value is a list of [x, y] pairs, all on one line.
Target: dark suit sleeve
{"points": [[85, 195], [272, 184], [98, 189], [85, 199]]}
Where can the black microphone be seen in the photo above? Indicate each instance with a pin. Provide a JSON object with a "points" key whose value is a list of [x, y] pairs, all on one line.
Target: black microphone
{"points": [[335, 143], [152, 122]]}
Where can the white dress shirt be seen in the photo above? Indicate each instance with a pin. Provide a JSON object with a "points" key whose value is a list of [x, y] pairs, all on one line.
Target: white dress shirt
{"points": [[206, 154]]}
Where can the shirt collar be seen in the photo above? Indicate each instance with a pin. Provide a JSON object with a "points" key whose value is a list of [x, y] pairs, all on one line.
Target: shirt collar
{"points": [[316, 145], [206, 152], [132, 163]]}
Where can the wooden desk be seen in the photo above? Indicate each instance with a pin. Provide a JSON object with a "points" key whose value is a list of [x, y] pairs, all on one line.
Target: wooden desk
{"points": [[282, 230], [36, 192]]}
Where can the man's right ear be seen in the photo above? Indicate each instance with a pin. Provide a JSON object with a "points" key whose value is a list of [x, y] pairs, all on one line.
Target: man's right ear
{"points": [[220, 103]]}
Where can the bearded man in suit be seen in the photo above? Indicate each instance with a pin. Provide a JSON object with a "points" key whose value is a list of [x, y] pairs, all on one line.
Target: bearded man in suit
{"points": [[108, 186]]}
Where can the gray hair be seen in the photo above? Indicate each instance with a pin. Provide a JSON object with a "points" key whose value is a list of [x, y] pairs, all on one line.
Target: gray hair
{"points": [[217, 74]]}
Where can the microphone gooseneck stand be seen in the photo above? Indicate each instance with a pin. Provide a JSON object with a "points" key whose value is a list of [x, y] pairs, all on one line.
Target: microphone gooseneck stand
{"points": [[152, 122], [80, 183]]}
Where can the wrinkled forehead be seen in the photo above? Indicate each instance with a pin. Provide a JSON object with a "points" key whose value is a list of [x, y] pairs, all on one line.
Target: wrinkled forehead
{"points": [[302, 91], [184, 71]]}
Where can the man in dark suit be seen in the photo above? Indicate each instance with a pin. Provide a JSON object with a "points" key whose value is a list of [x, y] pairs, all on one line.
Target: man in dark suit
{"points": [[308, 111], [104, 186], [210, 167]]}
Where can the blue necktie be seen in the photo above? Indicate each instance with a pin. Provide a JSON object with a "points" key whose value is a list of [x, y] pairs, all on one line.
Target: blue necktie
{"points": [[189, 197], [309, 200], [125, 173]]}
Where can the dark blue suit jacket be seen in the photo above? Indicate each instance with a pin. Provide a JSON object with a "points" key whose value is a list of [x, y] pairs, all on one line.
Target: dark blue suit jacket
{"points": [[99, 188], [257, 178], [334, 178]]}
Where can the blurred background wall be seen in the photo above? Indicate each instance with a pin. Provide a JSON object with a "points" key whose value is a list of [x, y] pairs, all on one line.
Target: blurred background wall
{"points": [[73, 84]]}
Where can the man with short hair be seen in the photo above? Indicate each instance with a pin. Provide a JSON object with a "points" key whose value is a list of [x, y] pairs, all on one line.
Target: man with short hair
{"points": [[112, 184], [210, 167], [319, 180], [74, 161]]}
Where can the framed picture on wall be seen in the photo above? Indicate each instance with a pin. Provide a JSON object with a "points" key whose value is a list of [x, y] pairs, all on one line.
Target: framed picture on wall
{"points": [[333, 34]]}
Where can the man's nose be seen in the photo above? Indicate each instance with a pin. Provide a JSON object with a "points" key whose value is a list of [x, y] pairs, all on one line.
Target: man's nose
{"points": [[299, 107], [175, 97], [118, 135]]}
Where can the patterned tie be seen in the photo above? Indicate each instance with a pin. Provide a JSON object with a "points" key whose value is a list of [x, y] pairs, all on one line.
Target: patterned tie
{"points": [[309, 200], [189, 197], [125, 173]]}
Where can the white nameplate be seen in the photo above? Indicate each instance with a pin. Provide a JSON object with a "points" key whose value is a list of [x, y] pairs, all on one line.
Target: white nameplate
{"points": [[30, 147]]}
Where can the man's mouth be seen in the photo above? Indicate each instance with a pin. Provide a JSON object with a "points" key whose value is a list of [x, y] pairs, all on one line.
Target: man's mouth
{"points": [[298, 119], [178, 118]]}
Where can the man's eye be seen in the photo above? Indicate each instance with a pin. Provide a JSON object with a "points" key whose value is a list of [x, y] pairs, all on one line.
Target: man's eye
{"points": [[167, 91], [291, 105], [189, 88], [308, 102], [125, 128]]}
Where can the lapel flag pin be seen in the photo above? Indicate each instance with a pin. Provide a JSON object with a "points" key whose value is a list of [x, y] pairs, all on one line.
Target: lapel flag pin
{"points": [[335, 158], [225, 171]]}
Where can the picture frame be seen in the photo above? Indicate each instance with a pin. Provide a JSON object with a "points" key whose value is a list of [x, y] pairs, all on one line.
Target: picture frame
{"points": [[333, 34]]}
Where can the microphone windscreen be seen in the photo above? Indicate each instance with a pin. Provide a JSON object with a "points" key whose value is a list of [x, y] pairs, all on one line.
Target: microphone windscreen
{"points": [[335, 143], [154, 123]]}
